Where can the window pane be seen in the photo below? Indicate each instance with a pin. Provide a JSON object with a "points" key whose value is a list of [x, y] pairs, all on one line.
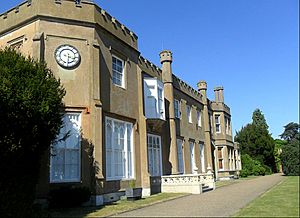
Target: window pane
{"points": [[117, 68], [154, 159], [119, 155], [57, 165], [180, 156], [65, 165]]}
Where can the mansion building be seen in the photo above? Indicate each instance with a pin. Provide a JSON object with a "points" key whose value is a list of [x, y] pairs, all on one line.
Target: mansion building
{"points": [[130, 122]]}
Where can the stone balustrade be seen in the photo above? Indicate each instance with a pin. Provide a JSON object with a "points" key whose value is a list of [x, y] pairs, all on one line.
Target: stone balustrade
{"points": [[187, 183]]}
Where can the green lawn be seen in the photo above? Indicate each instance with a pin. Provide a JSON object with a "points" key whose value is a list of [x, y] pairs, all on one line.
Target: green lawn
{"points": [[232, 181], [280, 201], [114, 208]]}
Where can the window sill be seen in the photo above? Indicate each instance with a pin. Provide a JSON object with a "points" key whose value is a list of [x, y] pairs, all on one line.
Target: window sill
{"points": [[119, 179], [65, 181], [121, 87]]}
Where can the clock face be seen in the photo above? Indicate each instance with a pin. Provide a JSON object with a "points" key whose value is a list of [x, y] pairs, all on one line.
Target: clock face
{"points": [[67, 56]]}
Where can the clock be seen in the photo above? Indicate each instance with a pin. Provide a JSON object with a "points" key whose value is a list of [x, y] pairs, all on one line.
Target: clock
{"points": [[67, 56]]}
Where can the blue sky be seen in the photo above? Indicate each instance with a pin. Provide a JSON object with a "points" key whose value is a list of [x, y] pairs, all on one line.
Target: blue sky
{"points": [[251, 47]]}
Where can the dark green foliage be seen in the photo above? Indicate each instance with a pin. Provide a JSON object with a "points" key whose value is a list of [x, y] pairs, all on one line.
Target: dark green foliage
{"points": [[291, 132], [30, 116], [258, 119], [252, 167], [258, 144], [68, 197], [290, 151]]}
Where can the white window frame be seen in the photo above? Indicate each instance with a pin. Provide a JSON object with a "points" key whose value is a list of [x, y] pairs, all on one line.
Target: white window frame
{"points": [[229, 158], [202, 157], [199, 118], [192, 157], [189, 113], [128, 175], [160, 154], [161, 102], [211, 122], [226, 126], [229, 126], [177, 109], [60, 137], [180, 156], [218, 124], [114, 71]]}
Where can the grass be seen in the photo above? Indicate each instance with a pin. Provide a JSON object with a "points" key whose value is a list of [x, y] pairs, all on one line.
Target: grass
{"points": [[280, 201], [228, 182], [114, 208]]}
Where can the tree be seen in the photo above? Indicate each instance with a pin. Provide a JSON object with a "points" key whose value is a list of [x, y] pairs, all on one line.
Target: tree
{"points": [[291, 131], [290, 151], [258, 119], [30, 114], [277, 153], [256, 141]]}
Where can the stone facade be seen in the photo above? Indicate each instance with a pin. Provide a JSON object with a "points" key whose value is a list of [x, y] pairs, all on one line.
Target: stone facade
{"points": [[171, 129]]}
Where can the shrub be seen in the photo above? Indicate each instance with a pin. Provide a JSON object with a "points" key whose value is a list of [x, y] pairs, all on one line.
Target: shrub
{"points": [[68, 197], [244, 173], [290, 159], [253, 167]]}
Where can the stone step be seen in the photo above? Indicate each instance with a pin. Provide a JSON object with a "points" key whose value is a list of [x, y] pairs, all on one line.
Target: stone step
{"points": [[206, 188]]}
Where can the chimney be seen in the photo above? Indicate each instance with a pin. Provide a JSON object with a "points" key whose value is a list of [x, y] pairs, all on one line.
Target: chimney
{"points": [[219, 97]]}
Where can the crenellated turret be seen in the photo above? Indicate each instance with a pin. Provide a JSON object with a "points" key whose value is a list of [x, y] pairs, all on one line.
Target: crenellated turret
{"points": [[167, 77]]}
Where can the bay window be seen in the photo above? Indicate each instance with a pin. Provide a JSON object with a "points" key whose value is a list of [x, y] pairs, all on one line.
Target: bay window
{"points": [[154, 98]]}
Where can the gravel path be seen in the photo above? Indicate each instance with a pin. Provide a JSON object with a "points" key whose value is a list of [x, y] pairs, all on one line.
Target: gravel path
{"points": [[224, 201]]}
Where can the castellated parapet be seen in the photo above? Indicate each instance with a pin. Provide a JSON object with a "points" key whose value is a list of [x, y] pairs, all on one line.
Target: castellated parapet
{"points": [[187, 89], [148, 67], [86, 13]]}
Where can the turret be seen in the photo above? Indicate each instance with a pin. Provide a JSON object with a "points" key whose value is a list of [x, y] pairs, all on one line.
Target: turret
{"points": [[167, 77], [202, 88], [166, 60]]}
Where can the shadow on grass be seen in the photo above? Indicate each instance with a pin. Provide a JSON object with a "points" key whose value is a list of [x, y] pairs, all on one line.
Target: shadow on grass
{"points": [[114, 208]]}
